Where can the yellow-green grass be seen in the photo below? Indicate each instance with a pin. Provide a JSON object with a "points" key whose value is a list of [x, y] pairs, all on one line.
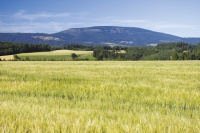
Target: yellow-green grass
{"points": [[135, 97], [58, 52], [56, 55], [7, 57]]}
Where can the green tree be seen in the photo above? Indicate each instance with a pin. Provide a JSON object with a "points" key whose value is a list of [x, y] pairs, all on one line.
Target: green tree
{"points": [[27, 58], [174, 55], [186, 55], [99, 57], [16, 57], [197, 54], [74, 56]]}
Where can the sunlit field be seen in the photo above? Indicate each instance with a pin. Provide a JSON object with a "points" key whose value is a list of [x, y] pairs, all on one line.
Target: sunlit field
{"points": [[56, 55], [111, 97], [7, 57], [57, 52]]}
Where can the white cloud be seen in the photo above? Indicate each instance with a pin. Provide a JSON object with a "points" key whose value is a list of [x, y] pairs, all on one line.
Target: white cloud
{"points": [[44, 22], [113, 21], [182, 30], [23, 15], [37, 27], [30, 27], [175, 26], [118, 21], [129, 21]]}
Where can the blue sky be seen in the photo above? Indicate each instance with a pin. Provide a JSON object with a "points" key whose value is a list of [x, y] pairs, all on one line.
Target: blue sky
{"points": [[177, 17]]}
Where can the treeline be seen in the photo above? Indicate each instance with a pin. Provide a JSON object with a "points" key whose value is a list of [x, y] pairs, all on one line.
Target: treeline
{"points": [[8, 48], [87, 47], [167, 51], [78, 47], [108, 54], [101, 52]]}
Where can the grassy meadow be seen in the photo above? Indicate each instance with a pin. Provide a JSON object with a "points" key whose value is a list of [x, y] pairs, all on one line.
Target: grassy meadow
{"points": [[56, 55], [100, 97]]}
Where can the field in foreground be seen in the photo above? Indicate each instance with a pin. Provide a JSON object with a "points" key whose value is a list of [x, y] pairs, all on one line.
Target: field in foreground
{"points": [[100, 97]]}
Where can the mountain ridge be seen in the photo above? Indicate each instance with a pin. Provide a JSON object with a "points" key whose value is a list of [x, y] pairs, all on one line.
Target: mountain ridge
{"points": [[98, 35]]}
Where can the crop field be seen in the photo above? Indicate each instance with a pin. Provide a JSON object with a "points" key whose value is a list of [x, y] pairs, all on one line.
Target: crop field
{"points": [[100, 97], [56, 55], [7, 57]]}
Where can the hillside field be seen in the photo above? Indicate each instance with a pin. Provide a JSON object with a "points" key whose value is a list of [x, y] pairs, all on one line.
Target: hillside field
{"points": [[7, 57], [52, 55], [56, 55], [100, 96]]}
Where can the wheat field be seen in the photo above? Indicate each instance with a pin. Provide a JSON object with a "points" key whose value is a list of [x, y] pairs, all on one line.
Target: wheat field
{"points": [[57, 52], [7, 57], [100, 97], [56, 55]]}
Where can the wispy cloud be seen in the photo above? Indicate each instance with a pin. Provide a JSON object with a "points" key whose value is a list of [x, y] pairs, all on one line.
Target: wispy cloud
{"points": [[129, 21], [37, 27], [175, 26], [42, 22], [120, 20], [49, 22], [47, 27], [113, 21], [183, 30], [24, 15]]}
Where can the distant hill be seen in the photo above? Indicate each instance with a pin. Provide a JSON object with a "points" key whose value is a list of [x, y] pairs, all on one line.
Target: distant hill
{"points": [[99, 35]]}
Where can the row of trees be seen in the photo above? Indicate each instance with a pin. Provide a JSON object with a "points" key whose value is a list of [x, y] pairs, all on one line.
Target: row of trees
{"points": [[166, 51], [78, 47], [7, 48], [103, 54], [169, 51], [89, 48]]}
